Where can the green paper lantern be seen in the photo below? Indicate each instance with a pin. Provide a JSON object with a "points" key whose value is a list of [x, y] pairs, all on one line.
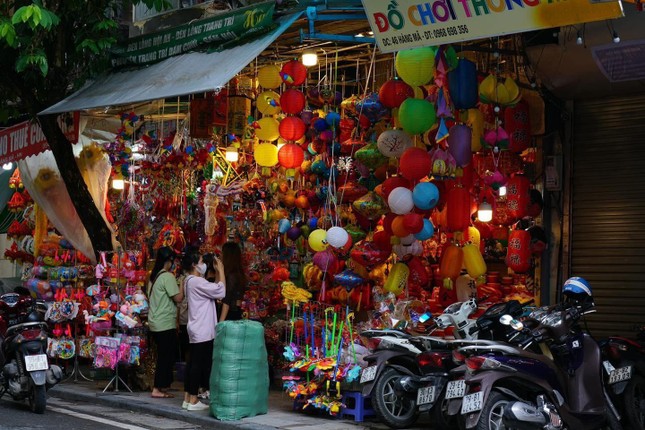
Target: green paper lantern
{"points": [[417, 116], [416, 66]]}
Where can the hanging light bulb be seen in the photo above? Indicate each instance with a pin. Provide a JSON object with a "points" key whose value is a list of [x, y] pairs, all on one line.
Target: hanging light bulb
{"points": [[309, 58], [7, 166], [579, 40], [232, 155], [616, 37], [485, 211], [502, 191]]}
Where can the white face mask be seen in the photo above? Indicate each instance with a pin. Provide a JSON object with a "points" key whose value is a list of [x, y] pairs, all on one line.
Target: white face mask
{"points": [[201, 268]]}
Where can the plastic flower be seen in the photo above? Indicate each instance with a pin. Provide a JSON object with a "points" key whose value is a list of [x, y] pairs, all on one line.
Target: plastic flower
{"points": [[46, 179]]}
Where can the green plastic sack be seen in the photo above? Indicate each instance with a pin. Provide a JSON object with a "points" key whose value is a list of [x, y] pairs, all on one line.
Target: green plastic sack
{"points": [[239, 385]]}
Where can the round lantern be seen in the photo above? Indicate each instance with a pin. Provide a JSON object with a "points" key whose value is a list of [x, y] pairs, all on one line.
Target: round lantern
{"points": [[394, 92], [413, 223], [291, 156], [474, 261], [518, 256], [392, 143], [451, 261], [294, 233], [518, 196], [398, 227], [425, 195], [293, 73], [318, 240], [326, 261], [337, 237], [268, 129], [400, 201], [463, 85], [266, 155], [426, 232], [518, 126], [459, 144], [284, 225], [417, 116], [292, 101], [292, 128], [393, 182], [458, 208], [332, 119], [269, 77], [416, 66], [415, 164], [268, 103]]}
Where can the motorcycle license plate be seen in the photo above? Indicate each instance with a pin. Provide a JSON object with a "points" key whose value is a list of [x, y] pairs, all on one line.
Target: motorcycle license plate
{"points": [[620, 374], [472, 402], [368, 374], [425, 395], [36, 362], [456, 389]]}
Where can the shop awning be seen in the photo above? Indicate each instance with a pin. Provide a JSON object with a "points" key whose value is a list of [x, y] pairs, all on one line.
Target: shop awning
{"points": [[190, 73]]}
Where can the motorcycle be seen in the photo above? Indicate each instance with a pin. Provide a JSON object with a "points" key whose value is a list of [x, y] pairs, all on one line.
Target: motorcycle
{"points": [[26, 372], [561, 388], [624, 366]]}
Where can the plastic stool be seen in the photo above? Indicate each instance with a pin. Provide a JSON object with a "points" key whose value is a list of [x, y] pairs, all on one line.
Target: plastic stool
{"points": [[357, 406]]}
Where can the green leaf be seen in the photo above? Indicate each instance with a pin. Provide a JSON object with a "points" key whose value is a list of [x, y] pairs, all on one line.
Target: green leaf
{"points": [[17, 16], [22, 63], [28, 13], [45, 20], [44, 67], [36, 15]]}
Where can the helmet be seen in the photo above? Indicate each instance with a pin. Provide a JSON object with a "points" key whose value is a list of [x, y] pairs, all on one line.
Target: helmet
{"points": [[576, 285]]}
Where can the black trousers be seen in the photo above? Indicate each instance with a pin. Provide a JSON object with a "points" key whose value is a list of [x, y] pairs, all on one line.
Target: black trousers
{"points": [[198, 369], [184, 343], [167, 348]]}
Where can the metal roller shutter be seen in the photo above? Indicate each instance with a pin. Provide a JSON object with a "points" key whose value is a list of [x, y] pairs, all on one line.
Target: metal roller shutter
{"points": [[608, 210]]}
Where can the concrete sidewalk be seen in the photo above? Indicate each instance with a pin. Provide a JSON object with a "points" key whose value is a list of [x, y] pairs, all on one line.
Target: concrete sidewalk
{"points": [[280, 414]]}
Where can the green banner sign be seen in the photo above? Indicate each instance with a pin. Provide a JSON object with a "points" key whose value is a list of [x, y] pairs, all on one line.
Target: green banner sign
{"points": [[154, 47]]}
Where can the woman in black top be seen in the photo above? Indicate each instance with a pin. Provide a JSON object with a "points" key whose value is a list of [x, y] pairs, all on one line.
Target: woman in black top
{"points": [[235, 282]]}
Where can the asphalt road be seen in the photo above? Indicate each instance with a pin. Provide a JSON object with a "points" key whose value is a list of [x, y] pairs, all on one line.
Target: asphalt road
{"points": [[62, 415]]}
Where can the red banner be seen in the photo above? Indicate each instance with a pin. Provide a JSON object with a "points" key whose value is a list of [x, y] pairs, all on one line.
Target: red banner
{"points": [[27, 138]]}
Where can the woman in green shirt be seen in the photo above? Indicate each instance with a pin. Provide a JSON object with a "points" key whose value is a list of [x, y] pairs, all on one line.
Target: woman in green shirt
{"points": [[164, 295]]}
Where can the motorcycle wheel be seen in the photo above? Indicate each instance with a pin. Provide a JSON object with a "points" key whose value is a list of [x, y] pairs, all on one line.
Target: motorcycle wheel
{"points": [[440, 417], [635, 403], [38, 399], [491, 416], [395, 411]]}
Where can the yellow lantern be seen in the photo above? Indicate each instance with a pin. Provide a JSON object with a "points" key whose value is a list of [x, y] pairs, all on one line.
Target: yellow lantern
{"points": [[266, 156], [474, 236], [318, 240], [473, 261], [268, 129], [269, 77], [269, 103], [415, 66], [397, 279]]}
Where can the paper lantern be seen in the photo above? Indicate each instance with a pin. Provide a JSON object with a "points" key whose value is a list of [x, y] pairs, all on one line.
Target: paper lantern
{"points": [[451, 261], [269, 77], [370, 156], [371, 206], [337, 237], [394, 92], [268, 103], [408, 247], [518, 255], [413, 223], [518, 196], [416, 66], [291, 156], [458, 207], [333, 119], [326, 261], [382, 239], [266, 154], [400, 201], [284, 225], [425, 195], [368, 254], [426, 232], [392, 143], [415, 164], [459, 144], [350, 192], [474, 236], [418, 279], [463, 85], [293, 73], [416, 116], [398, 227], [397, 279], [294, 233], [518, 126], [267, 129], [474, 261], [292, 128], [292, 101], [393, 182], [318, 240]]}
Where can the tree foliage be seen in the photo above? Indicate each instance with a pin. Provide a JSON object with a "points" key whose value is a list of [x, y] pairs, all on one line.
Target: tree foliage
{"points": [[49, 48]]}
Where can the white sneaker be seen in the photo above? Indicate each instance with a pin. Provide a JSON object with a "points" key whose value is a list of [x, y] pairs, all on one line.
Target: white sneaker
{"points": [[184, 405], [199, 406], [206, 395]]}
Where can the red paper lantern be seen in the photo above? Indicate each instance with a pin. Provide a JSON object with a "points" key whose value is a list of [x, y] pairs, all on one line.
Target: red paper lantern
{"points": [[292, 128], [518, 196], [413, 222], [458, 209], [518, 126], [415, 164], [387, 223], [293, 73], [292, 101], [291, 156], [518, 256], [394, 92], [418, 279], [393, 182]]}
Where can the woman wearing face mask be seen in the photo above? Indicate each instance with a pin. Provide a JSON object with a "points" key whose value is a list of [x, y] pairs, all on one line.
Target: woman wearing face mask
{"points": [[202, 318]]}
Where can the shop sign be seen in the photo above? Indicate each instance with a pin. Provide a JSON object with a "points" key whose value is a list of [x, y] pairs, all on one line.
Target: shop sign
{"points": [[27, 138], [405, 24], [226, 27]]}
